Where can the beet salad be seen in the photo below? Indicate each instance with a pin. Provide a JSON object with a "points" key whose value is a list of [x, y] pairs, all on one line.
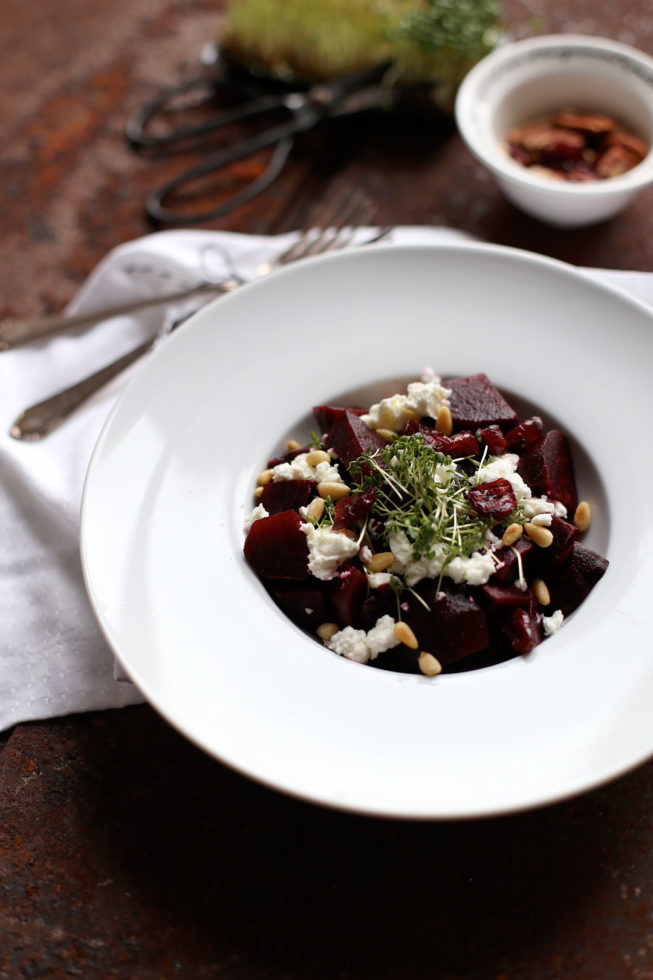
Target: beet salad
{"points": [[434, 531]]}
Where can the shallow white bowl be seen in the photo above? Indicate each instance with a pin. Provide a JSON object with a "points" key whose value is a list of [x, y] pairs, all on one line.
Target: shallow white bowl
{"points": [[527, 79], [172, 479]]}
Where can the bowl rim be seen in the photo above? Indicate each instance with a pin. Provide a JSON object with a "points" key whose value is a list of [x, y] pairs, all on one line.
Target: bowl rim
{"points": [[500, 163]]}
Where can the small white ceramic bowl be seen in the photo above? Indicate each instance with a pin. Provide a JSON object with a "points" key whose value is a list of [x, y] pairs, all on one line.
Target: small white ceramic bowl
{"points": [[528, 79]]}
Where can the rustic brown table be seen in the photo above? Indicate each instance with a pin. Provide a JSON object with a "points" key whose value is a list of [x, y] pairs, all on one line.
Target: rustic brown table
{"points": [[124, 851]]}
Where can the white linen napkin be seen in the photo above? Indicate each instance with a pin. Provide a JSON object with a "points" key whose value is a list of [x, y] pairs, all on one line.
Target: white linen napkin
{"points": [[53, 657]]}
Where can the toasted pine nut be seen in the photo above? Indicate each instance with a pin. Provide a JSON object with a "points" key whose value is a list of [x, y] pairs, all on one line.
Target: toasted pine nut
{"points": [[541, 592], [583, 516], [428, 664], [326, 630], [541, 536], [264, 477], [444, 422], [258, 493], [405, 635], [511, 534], [332, 489], [315, 509], [380, 561], [317, 456], [386, 434], [291, 445]]}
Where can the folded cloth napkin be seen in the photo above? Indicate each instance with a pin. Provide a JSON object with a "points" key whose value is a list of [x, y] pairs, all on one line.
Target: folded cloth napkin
{"points": [[53, 657]]}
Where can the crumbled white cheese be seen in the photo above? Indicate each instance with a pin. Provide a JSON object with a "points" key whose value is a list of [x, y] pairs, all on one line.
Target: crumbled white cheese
{"points": [[376, 579], [366, 554], [299, 469], [361, 646], [542, 520], [540, 505], [422, 399], [551, 624], [257, 514], [327, 549], [474, 570]]}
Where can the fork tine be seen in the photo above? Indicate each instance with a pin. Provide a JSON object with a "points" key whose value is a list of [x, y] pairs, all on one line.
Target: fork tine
{"points": [[333, 226]]}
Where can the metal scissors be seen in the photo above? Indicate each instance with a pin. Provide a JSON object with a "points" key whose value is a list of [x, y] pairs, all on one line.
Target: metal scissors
{"points": [[303, 108]]}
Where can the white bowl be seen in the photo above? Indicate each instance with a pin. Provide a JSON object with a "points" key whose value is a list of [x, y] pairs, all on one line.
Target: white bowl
{"points": [[527, 79], [172, 479]]}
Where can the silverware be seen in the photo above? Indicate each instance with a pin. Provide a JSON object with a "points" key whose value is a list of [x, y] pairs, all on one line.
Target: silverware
{"points": [[15, 331], [335, 231]]}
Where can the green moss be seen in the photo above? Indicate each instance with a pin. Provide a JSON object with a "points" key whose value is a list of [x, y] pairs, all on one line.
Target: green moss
{"points": [[429, 41]]}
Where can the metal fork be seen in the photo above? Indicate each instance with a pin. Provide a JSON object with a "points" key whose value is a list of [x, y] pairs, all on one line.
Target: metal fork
{"points": [[333, 228]]}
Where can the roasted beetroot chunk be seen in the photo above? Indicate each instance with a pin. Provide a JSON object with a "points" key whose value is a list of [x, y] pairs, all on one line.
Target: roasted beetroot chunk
{"points": [[508, 570], [496, 498], [577, 579], [546, 466], [524, 433], [350, 438], [353, 508], [276, 547], [475, 402], [326, 415], [502, 597], [346, 595], [494, 439], [522, 630], [305, 605], [283, 495], [455, 627]]}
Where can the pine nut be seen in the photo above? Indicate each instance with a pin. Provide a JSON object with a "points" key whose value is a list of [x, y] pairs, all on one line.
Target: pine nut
{"points": [[428, 664], [541, 536], [386, 434], [380, 561], [258, 493], [264, 477], [405, 635], [541, 592], [583, 516], [315, 509], [326, 630], [317, 456], [332, 489], [511, 534], [291, 445], [444, 422]]}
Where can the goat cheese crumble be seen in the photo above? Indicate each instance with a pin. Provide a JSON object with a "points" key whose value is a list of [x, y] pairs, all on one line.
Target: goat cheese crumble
{"points": [[363, 646], [300, 469], [327, 549], [422, 399]]}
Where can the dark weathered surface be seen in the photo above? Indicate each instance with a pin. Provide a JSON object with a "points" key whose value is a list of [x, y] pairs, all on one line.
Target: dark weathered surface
{"points": [[125, 852]]}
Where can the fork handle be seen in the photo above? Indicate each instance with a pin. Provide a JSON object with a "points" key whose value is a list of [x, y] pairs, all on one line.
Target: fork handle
{"points": [[37, 421], [15, 331]]}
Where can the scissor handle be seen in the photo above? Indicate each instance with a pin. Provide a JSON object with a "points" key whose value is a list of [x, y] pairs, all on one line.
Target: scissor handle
{"points": [[155, 204], [135, 130]]}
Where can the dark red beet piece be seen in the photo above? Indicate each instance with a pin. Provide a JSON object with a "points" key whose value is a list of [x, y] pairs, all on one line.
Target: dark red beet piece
{"points": [[326, 415], [305, 606], [494, 439], [546, 466], [475, 402], [460, 444], [281, 495], [577, 579], [276, 547], [522, 630], [455, 627], [349, 437], [495, 498], [562, 532], [498, 597], [353, 508], [509, 568], [347, 592], [523, 434], [380, 602]]}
